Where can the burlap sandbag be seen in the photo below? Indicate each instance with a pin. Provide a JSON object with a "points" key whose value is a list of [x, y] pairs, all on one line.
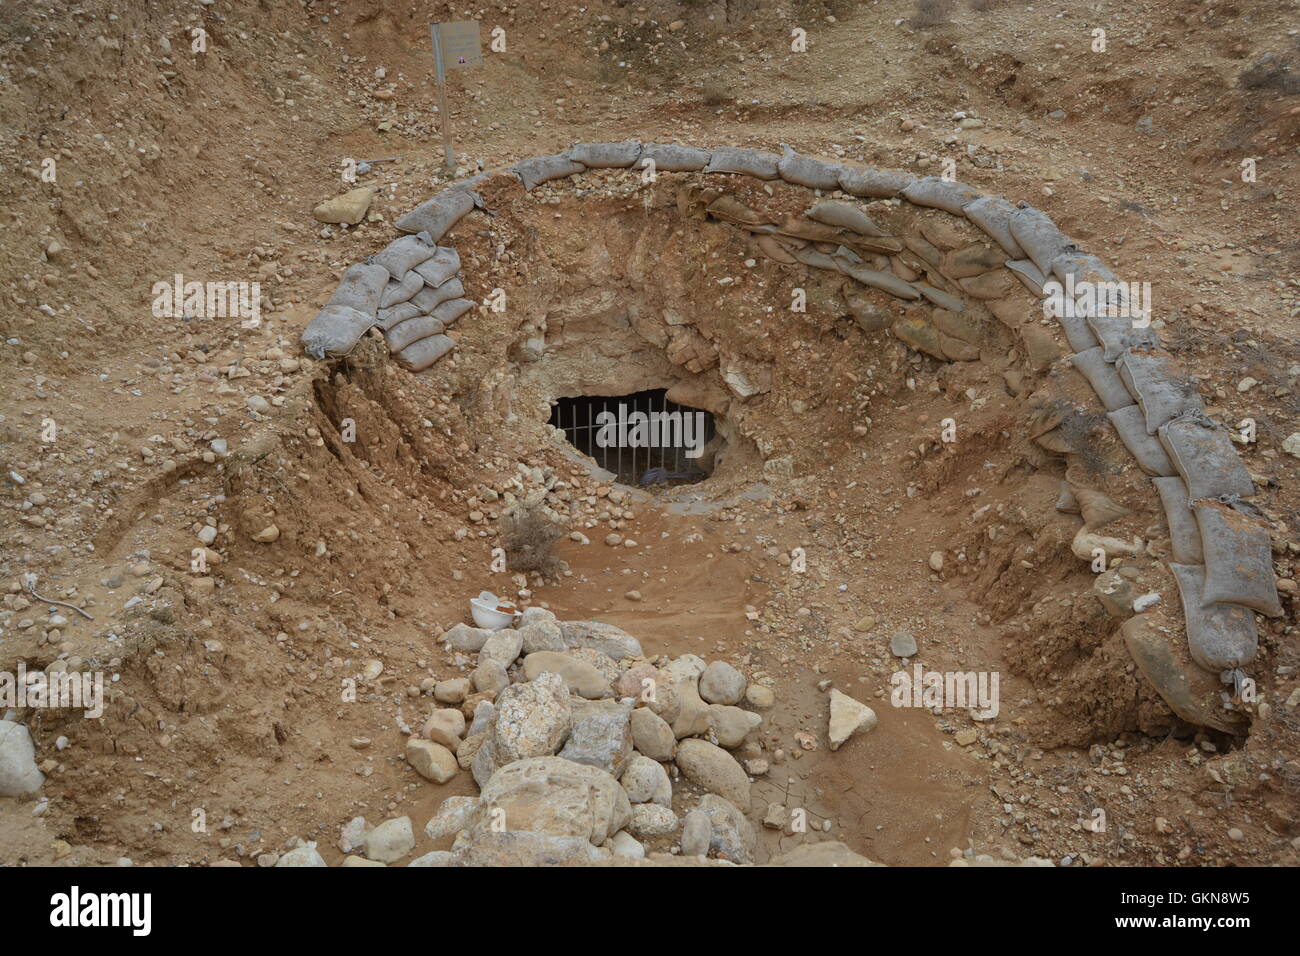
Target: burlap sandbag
{"points": [[1202, 453], [1238, 558], [400, 290], [440, 267], [398, 313], [669, 158], [807, 171], [938, 193], [411, 331], [1039, 237], [451, 310], [1159, 385], [542, 169], [771, 247], [439, 214], [1097, 507], [746, 162], [1083, 266], [402, 255], [812, 256], [335, 331], [993, 215], [361, 288], [1219, 636], [730, 209], [1150, 453], [884, 281], [1029, 276], [1116, 332], [845, 215], [943, 300], [605, 155], [875, 183], [1078, 333], [430, 297], [1184, 532], [420, 355], [1103, 378]]}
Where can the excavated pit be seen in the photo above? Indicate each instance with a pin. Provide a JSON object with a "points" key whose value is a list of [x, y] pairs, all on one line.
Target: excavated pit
{"points": [[874, 473]]}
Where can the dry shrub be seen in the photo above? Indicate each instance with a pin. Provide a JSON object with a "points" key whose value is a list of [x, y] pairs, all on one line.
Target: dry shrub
{"points": [[529, 534]]}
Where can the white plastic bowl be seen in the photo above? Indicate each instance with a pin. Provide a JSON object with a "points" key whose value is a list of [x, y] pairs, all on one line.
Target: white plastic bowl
{"points": [[484, 611]]}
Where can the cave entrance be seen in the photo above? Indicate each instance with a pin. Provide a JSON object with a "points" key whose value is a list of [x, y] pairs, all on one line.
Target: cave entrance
{"points": [[644, 439]]}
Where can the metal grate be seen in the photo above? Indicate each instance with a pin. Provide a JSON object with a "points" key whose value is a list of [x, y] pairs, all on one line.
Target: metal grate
{"points": [[657, 449]]}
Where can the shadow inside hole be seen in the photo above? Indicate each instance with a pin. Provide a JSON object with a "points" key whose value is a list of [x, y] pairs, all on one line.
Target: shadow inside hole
{"points": [[644, 439]]}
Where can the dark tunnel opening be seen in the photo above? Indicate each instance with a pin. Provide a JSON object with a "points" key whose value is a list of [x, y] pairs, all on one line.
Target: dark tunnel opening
{"points": [[644, 439]]}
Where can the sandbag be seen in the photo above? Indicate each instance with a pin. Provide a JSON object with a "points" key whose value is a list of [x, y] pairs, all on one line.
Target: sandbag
{"points": [[1097, 507], [443, 265], [1078, 334], [1029, 276], [773, 249], [1192, 695], [430, 297], [400, 290], [1238, 558], [398, 313], [806, 171], [1083, 266], [1103, 378], [879, 280], [420, 355], [940, 298], [542, 169], [1202, 453], [1184, 532], [730, 209], [411, 331], [451, 310], [802, 228], [1116, 332], [845, 215], [1039, 237], [993, 216], [876, 183], [674, 159], [746, 162], [605, 155], [1220, 637], [361, 288], [988, 285], [335, 331], [439, 214], [811, 256], [1149, 452], [938, 193], [402, 255], [1159, 385]]}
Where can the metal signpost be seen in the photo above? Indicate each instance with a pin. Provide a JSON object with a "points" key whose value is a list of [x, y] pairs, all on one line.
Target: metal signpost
{"points": [[455, 46]]}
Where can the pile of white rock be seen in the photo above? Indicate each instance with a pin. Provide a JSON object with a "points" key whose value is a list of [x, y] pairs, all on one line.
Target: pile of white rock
{"points": [[576, 742]]}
